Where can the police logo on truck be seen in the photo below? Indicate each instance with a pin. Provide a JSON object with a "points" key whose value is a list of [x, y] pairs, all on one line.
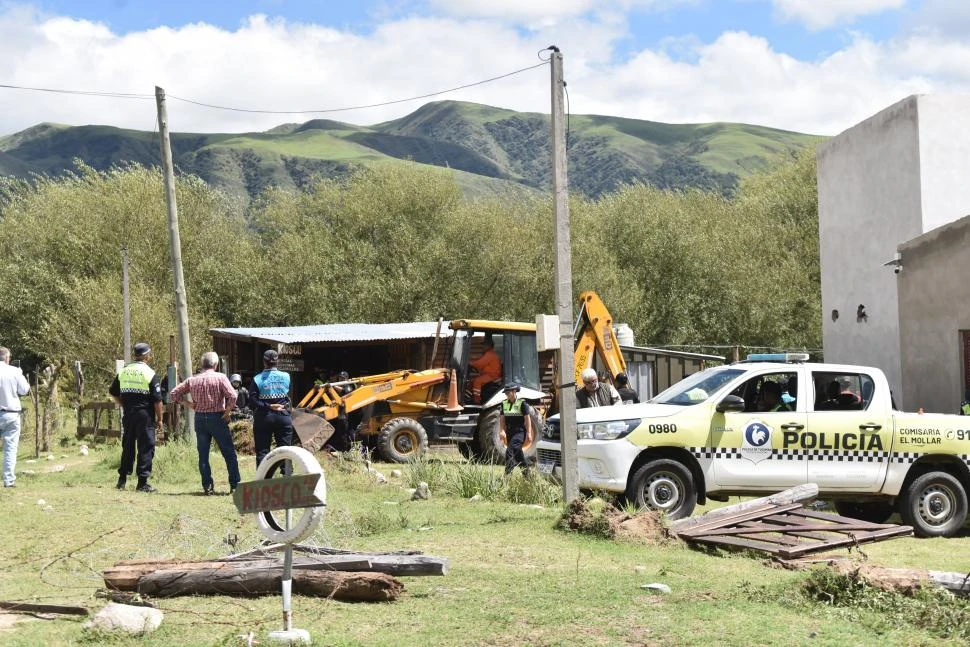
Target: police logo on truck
{"points": [[756, 441]]}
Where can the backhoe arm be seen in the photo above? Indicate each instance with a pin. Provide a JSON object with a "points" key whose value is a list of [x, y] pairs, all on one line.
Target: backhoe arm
{"points": [[326, 400], [594, 335]]}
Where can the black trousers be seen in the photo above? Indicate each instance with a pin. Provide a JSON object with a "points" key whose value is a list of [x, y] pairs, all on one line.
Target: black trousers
{"points": [[513, 453], [138, 432], [269, 426]]}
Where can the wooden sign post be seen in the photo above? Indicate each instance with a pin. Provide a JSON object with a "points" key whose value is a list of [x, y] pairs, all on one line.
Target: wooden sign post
{"points": [[299, 486]]}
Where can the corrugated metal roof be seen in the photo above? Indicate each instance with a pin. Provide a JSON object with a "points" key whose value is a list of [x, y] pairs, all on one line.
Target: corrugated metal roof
{"points": [[338, 332]]}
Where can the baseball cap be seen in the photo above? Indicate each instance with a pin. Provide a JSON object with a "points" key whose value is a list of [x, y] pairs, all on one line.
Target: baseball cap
{"points": [[271, 356], [511, 386], [141, 349], [235, 377]]}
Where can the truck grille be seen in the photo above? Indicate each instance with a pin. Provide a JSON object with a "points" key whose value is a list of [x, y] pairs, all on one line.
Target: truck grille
{"points": [[549, 456]]}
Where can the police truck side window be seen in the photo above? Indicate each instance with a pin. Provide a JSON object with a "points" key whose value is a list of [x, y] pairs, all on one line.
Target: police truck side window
{"points": [[842, 391]]}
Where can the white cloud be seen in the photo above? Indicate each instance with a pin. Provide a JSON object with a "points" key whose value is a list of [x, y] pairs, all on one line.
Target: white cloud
{"points": [[270, 64], [819, 14]]}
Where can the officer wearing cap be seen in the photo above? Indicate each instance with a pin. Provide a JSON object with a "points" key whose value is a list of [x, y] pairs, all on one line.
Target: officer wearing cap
{"points": [[269, 400], [516, 424], [137, 390]]}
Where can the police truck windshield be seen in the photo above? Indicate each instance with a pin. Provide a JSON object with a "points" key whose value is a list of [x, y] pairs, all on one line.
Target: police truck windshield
{"points": [[698, 387]]}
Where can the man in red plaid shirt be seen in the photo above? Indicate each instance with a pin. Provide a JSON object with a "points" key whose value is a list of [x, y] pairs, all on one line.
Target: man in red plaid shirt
{"points": [[213, 400]]}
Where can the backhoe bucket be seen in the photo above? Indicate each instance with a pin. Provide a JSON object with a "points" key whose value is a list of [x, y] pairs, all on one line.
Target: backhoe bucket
{"points": [[312, 430]]}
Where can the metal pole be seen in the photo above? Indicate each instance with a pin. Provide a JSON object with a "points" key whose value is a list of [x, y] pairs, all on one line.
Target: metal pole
{"points": [[287, 583], [564, 287], [125, 305], [175, 245]]}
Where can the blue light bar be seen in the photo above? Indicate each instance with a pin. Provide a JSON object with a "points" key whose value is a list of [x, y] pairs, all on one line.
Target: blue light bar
{"points": [[777, 357]]}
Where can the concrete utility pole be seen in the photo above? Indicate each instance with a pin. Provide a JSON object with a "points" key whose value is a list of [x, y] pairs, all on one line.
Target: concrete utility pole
{"points": [[125, 305], [564, 286], [175, 245]]}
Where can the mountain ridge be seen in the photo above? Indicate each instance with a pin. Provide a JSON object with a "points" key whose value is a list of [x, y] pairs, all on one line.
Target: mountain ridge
{"points": [[489, 148]]}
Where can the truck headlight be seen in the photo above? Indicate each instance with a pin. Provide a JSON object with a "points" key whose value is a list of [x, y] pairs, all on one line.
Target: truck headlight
{"points": [[606, 430]]}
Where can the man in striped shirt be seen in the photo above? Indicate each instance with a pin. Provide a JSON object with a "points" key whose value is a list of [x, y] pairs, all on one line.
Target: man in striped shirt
{"points": [[213, 400]]}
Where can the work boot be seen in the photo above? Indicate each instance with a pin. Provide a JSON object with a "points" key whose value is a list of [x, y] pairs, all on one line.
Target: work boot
{"points": [[144, 486], [122, 480]]}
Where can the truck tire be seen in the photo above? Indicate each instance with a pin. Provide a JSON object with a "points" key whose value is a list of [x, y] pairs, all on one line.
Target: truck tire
{"points": [[665, 486], [306, 519], [871, 511], [402, 440], [492, 445], [935, 505]]}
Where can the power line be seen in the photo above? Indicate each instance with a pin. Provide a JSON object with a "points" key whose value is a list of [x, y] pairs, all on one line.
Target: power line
{"points": [[90, 93], [132, 95], [361, 107]]}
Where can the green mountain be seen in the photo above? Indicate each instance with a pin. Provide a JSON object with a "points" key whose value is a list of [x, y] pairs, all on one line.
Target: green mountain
{"points": [[489, 150]]}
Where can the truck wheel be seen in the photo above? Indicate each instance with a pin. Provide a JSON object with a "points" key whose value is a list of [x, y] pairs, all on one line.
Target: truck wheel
{"points": [[493, 446], [935, 505], [871, 511], [665, 486], [402, 440], [490, 445]]}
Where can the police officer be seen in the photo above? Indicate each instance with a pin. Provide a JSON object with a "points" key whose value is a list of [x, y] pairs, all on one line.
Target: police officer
{"points": [[269, 400], [516, 423], [137, 390]]}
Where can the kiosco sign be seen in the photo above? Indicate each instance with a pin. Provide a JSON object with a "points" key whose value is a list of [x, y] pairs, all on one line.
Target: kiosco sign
{"points": [[278, 494], [300, 485]]}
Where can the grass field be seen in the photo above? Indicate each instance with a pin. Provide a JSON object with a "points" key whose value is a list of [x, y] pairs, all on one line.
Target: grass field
{"points": [[514, 579]]}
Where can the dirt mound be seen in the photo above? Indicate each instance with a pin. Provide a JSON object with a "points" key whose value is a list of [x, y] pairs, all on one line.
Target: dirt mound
{"points": [[242, 437], [600, 519]]}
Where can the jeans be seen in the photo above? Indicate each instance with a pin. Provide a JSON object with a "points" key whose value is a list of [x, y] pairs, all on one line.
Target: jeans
{"points": [[209, 426], [10, 430]]}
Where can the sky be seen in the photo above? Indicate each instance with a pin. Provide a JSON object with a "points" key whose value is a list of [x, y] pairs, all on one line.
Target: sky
{"points": [[812, 66]]}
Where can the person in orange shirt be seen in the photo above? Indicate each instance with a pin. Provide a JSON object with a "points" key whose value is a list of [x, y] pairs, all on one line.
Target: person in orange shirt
{"points": [[489, 368]]}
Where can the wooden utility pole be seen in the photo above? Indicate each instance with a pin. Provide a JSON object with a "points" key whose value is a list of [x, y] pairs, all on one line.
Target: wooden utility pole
{"points": [[175, 246], [564, 287], [125, 305]]}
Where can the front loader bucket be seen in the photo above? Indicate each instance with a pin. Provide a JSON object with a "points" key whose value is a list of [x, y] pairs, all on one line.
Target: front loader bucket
{"points": [[312, 430]]}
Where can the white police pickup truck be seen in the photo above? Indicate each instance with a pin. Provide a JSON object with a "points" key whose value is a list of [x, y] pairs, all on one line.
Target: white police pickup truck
{"points": [[769, 423]]}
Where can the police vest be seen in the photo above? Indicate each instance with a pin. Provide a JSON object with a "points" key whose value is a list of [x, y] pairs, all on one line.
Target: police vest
{"points": [[512, 412], [965, 409], [272, 385], [135, 378]]}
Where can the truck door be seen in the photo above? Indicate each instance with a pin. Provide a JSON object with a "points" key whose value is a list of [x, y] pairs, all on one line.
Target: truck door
{"points": [[748, 447], [849, 434]]}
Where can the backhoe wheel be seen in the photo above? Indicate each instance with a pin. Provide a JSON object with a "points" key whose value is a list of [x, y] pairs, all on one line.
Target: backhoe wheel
{"points": [[665, 486], [934, 504], [402, 440], [493, 444], [871, 511]]}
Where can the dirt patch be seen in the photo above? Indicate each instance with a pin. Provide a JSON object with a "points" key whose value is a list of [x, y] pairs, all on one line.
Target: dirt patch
{"points": [[8, 620], [605, 520]]}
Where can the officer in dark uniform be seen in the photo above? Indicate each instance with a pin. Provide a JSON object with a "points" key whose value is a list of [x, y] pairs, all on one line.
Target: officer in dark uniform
{"points": [[269, 400], [137, 390], [516, 422]]}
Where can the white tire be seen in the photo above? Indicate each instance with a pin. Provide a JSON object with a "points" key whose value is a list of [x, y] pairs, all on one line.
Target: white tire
{"points": [[303, 462]]}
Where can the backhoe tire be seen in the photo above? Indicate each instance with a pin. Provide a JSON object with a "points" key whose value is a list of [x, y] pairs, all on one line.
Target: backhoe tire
{"points": [[934, 504], [871, 511], [665, 486], [492, 444], [401, 440]]}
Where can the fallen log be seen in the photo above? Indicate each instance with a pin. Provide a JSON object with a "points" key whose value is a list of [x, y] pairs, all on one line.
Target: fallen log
{"points": [[124, 576], [30, 607], [799, 493], [411, 563], [366, 587]]}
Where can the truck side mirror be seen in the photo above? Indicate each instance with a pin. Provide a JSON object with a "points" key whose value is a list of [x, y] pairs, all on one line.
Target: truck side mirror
{"points": [[730, 403]]}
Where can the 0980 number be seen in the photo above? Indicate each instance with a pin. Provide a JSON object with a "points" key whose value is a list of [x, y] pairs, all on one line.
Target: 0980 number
{"points": [[662, 429]]}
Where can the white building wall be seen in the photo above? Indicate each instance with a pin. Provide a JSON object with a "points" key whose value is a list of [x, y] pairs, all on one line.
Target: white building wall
{"points": [[868, 202], [888, 180], [944, 152]]}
